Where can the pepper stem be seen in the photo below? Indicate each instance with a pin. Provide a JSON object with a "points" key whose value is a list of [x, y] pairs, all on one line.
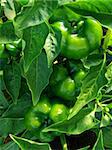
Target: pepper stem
{"points": [[63, 142]]}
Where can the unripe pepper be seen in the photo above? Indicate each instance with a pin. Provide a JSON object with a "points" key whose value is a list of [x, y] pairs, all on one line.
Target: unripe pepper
{"points": [[88, 39]]}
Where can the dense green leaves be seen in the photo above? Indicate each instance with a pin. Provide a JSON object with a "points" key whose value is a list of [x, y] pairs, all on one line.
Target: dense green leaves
{"points": [[7, 32], [3, 100], [11, 125], [107, 136], [25, 75], [99, 143], [83, 121], [92, 60], [52, 46], [18, 110], [25, 144], [35, 39], [99, 9], [91, 85], [9, 9], [37, 13], [9, 146], [12, 78], [38, 76]]}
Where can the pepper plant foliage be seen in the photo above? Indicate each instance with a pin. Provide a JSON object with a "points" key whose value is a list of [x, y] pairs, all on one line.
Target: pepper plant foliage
{"points": [[25, 75]]}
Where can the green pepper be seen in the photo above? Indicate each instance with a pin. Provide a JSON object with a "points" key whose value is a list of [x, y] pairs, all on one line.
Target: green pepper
{"points": [[43, 106], [59, 112], [59, 74], [10, 47], [65, 89], [77, 46], [33, 120], [79, 76]]}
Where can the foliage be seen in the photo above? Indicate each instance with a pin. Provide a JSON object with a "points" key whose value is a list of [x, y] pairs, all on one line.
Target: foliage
{"points": [[25, 73]]}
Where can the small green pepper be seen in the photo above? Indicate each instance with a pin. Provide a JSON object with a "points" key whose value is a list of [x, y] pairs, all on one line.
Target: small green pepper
{"points": [[32, 120], [79, 76], [65, 89], [10, 47], [59, 112], [43, 106], [59, 74]]}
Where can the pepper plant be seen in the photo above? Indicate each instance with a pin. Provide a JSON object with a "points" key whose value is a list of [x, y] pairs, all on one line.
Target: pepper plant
{"points": [[55, 74]]}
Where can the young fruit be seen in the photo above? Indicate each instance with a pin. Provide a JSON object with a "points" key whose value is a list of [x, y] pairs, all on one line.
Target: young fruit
{"points": [[59, 112], [79, 76], [32, 120], [43, 106], [59, 74], [65, 89]]}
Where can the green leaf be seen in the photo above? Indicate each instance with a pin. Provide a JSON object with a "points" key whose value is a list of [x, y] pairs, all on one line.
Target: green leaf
{"points": [[52, 46], [43, 136], [107, 136], [12, 78], [39, 12], [91, 86], [9, 146], [25, 144], [3, 100], [105, 121], [2, 84], [9, 9], [62, 2], [11, 126], [92, 60], [83, 121], [108, 39], [99, 9], [35, 38], [7, 33], [38, 76], [99, 145], [18, 110]]}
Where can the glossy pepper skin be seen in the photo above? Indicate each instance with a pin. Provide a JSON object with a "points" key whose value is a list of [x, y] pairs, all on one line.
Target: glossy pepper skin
{"points": [[79, 76], [43, 106], [59, 74], [65, 89], [10, 47], [88, 39], [32, 120], [59, 112], [13, 48]]}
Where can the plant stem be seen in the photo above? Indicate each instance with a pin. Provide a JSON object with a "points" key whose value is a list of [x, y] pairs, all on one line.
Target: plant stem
{"points": [[63, 142], [107, 96]]}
